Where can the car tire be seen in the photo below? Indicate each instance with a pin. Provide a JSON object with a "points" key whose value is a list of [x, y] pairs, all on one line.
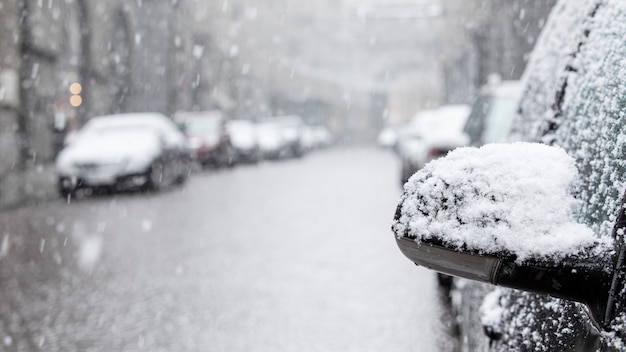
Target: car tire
{"points": [[65, 191], [183, 176], [154, 176]]}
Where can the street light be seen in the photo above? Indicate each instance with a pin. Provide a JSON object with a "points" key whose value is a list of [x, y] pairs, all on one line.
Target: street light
{"points": [[75, 89]]}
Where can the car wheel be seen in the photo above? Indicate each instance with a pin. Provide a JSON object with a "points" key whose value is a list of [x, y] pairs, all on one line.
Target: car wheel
{"points": [[154, 176], [183, 176], [64, 190]]}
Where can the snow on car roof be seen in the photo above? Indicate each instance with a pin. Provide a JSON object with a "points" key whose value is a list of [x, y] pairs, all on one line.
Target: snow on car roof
{"points": [[126, 119], [447, 118], [514, 199]]}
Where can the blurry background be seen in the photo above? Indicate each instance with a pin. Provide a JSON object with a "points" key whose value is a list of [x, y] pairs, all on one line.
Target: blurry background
{"points": [[353, 66], [270, 245]]}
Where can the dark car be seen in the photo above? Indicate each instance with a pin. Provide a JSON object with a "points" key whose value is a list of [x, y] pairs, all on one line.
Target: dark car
{"points": [[208, 137], [124, 151], [543, 218]]}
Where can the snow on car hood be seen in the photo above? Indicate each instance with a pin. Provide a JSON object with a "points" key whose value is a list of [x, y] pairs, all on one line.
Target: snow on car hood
{"points": [[501, 198], [111, 148]]}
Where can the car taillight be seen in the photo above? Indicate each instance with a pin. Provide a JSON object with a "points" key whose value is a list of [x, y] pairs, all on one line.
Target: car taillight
{"points": [[434, 153]]}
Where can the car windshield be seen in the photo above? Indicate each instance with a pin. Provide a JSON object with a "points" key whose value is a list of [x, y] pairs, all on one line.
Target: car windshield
{"points": [[193, 234], [502, 111], [203, 126]]}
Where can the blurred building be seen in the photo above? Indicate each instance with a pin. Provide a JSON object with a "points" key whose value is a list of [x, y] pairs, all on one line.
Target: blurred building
{"points": [[357, 65], [62, 62], [490, 38]]}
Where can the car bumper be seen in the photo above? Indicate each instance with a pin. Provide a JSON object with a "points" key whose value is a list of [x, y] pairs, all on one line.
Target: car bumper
{"points": [[118, 182]]}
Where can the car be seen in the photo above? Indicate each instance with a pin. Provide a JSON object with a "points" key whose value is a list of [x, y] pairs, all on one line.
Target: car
{"points": [[543, 216], [315, 137], [432, 133], [281, 137], [243, 137], [492, 112], [123, 151], [208, 137], [271, 139], [291, 128]]}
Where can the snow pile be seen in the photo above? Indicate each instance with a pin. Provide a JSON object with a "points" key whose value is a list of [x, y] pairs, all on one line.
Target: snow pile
{"points": [[501, 198]]}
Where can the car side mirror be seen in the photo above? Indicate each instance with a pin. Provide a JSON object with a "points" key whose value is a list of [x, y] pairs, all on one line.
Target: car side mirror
{"points": [[505, 214]]}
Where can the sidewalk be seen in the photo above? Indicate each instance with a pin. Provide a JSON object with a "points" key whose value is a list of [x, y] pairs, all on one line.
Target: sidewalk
{"points": [[20, 187]]}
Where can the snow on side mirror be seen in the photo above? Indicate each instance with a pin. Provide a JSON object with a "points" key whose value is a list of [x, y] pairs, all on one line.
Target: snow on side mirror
{"points": [[505, 214]]}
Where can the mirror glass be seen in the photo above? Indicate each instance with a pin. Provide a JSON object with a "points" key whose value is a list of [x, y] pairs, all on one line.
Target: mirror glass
{"points": [[505, 200]]}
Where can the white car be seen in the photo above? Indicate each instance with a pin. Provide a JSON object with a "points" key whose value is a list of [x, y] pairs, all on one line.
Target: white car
{"points": [[272, 142], [243, 137], [431, 134], [124, 151]]}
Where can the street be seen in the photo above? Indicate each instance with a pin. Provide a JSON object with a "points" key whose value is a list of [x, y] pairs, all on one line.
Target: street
{"points": [[295, 255]]}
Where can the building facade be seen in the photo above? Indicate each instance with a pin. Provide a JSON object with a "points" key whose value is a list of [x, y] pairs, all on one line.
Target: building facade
{"points": [[63, 62]]}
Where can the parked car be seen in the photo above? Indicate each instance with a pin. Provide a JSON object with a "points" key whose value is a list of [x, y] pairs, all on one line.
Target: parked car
{"points": [[208, 137], [124, 151], [271, 140], [543, 218], [388, 136], [315, 137], [432, 133], [281, 136], [291, 128], [493, 112], [244, 139]]}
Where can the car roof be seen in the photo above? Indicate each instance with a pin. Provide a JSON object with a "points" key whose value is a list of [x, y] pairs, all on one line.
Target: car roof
{"points": [[210, 114], [127, 119]]}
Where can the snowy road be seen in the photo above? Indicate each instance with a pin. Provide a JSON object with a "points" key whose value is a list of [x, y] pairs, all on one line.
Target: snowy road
{"points": [[284, 256]]}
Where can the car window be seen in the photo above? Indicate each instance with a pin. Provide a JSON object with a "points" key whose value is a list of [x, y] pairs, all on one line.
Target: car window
{"points": [[593, 121], [499, 118], [476, 121], [545, 76]]}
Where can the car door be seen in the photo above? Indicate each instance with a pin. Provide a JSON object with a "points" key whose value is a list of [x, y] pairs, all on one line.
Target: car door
{"points": [[586, 116]]}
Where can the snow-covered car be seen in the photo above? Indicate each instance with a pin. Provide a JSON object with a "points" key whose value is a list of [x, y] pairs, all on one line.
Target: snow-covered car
{"points": [[207, 137], [124, 151], [432, 133], [243, 137], [544, 216], [271, 140], [281, 136], [315, 137], [493, 112]]}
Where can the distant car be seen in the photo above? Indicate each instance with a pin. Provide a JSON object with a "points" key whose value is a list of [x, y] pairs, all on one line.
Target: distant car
{"points": [[431, 134], [388, 137], [271, 140], [493, 112], [282, 136], [124, 151], [315, 137], [292, 129], [208, 137], [243, 137]]}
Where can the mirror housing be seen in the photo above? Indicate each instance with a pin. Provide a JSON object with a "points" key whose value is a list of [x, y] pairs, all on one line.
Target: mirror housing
{"points": [[588, 283], [503, 214]]}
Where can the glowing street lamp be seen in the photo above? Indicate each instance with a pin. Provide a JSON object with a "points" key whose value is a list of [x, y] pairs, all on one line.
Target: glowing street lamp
{"points": [[75, 89]]}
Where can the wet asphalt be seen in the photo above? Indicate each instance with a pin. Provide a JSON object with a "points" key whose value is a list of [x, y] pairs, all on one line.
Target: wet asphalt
{"points": [[293, 255]]}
